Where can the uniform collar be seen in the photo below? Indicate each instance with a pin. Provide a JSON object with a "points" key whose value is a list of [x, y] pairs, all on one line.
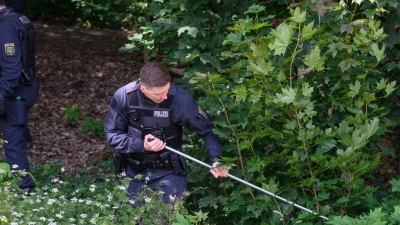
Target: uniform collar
{"points": [[5, 11], [145, 101]]}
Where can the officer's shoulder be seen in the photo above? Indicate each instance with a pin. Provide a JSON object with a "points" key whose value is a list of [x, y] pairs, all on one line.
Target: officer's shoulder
{"points": [[127, 88], [182, 93]]}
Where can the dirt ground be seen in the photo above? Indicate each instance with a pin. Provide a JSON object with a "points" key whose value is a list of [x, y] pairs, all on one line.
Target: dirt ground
{"points": [[83, 68]]}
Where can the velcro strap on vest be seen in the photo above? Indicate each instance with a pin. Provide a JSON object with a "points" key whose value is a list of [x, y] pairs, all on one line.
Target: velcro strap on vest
{"points": [[164, 160]]}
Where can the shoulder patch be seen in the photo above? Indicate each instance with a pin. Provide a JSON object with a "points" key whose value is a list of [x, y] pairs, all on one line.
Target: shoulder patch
{"points": [[204, 114], [9, 48]]}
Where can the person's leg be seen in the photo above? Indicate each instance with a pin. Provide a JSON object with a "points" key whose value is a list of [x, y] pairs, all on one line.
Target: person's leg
{"points": [[15, 151], [172, 185], [15, 129]]}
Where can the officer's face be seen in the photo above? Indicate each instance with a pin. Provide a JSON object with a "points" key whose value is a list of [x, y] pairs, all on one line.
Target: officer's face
{"points": [[156, 94]]}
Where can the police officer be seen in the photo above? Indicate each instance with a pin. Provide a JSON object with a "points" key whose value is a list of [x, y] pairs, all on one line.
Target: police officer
{"points": [[18, 87], [145, 116]]}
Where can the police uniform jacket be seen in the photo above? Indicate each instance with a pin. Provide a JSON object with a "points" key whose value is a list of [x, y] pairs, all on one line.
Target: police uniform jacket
{"points": [[11, 36], [184, 112]]}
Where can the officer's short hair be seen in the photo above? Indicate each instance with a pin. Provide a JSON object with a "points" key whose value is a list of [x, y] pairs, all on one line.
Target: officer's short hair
{"points": [[153, 74]]}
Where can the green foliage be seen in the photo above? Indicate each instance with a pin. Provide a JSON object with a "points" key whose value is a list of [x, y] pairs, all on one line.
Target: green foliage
{"points": [[299, 108], [72, 114], [111, 14], [53, 10], [5, 172], [61, 199], [197, 27], [89, 13], [89, 124], [96, 126]]}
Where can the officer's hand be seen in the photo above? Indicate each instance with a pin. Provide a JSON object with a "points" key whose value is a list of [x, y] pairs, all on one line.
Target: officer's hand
{"points": [[3, 113], [153, 144], [218, 172]]}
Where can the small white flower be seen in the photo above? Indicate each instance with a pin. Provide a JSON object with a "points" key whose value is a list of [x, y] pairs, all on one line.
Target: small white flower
{"points": [[51, 201], [83, 215], [147, 178], [15, 166], [122, 187], [74, 199], [72, 219], [147, 199], [54, 190]]}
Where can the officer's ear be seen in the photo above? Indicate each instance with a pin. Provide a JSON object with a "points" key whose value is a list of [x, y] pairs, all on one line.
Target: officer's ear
{"points": [[143, 88]]}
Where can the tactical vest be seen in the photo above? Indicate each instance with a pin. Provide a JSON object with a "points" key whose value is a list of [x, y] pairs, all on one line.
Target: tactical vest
{"points": [[147, 119], [27, 44]]}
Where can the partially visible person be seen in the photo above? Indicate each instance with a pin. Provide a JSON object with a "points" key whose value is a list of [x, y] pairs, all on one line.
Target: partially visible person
{"points": [[18, 87], [145, 116], [16, 5]]}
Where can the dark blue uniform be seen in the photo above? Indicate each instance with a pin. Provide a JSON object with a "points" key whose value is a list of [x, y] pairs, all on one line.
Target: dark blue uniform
{"points": [[19, 94], [124, 137]]}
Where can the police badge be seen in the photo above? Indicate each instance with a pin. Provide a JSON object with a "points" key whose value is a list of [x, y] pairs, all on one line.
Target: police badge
{"points": [[9, 48], [204, 114]]}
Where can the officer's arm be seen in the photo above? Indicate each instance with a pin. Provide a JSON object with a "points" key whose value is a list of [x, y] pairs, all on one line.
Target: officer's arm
{"points": [[189, 115], [116, 127], [10, 56]]}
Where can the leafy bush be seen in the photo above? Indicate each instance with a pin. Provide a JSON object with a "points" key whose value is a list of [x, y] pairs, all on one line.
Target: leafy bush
{"points": [[300, 108]]}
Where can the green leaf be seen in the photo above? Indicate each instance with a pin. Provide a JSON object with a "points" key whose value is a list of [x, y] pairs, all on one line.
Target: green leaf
{"points": [[182, 220], [271, 186], [260, 67], [298, 16], [373, 126], [378, 53], [395, 185], [287, 97], [233, 39], [240, 92], [207, 201], [345, 64], [192, 31], [255, 95], [390, 88], [354, 89], [283, 35], [308, 31], [314, 60]]}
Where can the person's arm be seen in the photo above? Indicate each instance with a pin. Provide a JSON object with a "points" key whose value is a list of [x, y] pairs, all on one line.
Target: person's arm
{"points": [[188, 114], [10, 56], [116, 126]]}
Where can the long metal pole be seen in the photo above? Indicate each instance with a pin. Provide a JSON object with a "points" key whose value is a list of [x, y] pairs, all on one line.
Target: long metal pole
{"points": [[247, 183]]}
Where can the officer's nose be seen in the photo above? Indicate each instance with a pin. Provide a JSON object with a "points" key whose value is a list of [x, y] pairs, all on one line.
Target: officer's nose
{"points": [[164, 97]]}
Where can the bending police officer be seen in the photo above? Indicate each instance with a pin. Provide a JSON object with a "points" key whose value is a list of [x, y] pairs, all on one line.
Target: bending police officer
{"points": [[18, 86], [146, 115]]}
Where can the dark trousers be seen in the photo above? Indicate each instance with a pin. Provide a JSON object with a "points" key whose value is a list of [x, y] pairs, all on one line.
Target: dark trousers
{"points": [[157, 179], [15, 128]]}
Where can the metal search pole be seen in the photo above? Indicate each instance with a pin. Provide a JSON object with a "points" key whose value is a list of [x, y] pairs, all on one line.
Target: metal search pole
{"points": [[247, 183]]}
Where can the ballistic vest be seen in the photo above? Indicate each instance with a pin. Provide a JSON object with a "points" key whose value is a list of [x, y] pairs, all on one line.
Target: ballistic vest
{"points": [[28, 43], [146, 119]]}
